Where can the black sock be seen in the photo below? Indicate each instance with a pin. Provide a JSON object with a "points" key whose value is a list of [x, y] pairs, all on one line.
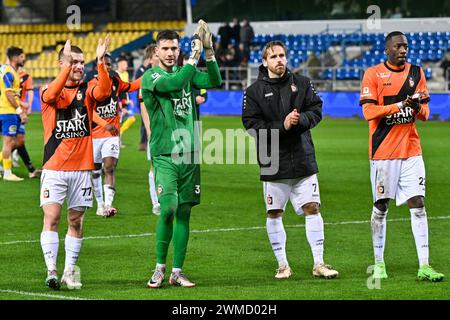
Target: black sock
{"points": [[23, 153]]}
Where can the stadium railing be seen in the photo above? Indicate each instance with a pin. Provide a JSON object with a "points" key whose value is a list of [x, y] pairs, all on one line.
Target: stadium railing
{"points": [[238, 78]]}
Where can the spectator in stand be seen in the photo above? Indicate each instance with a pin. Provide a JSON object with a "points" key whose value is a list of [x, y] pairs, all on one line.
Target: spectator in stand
{"points": [[236, 34], [388, 14], [312, 65], [226, 33], [398, 13], [246, 35], [445, 65]]}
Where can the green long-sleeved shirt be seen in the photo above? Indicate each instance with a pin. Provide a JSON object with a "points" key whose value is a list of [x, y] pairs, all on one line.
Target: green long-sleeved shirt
{"points": [[170, 102]]}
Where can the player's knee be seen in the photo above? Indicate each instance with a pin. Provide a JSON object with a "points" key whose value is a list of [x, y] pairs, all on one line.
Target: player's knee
{"points": [[273, 214], [184, 211], [382, 205], [76, 223], [20, 141], [169, 206], [109, 170], [416, 202], [51, 222], [311, 208]]}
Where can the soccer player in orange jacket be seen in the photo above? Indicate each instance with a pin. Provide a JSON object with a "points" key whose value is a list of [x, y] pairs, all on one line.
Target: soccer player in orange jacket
{"points": [[67, 114], [393, 96], [107, 145]]}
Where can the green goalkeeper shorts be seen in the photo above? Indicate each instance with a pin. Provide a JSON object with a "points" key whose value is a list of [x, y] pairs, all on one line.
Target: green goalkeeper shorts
{"points": [[179, 179]]}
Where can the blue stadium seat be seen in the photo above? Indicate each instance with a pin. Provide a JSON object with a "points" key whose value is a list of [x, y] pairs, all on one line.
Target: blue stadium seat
{"points": [[428, 73]]}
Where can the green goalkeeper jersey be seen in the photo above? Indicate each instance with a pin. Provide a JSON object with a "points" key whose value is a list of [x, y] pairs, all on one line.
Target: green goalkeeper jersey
{"points": [[170, 101]]}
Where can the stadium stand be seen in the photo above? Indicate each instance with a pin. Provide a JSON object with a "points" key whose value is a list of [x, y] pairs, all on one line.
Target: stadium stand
{"points": [[41, 42]]}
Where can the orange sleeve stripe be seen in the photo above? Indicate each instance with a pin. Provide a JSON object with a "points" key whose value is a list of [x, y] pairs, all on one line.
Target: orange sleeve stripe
{"points": [[135, 85], [372, 111], [103, 89], [55, 87]]}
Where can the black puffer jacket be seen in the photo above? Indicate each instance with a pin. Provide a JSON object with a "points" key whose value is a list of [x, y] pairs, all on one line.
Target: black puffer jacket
{"points": [[266, 104]]}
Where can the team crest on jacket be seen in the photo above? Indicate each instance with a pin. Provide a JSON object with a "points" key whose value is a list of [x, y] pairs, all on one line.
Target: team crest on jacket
{"points": [[294, 88], [411, 82]]}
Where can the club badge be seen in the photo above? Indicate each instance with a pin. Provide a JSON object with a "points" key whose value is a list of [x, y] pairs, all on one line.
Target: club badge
{"points": [[160, 189], [46, 193], [79, 95], [269, 200], [294, 88], [411, 82]]}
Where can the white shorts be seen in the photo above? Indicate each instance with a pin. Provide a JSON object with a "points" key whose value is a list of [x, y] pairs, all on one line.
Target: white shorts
{"points": [[106, 147], [75, 186], [399, 179], [299, 191]]}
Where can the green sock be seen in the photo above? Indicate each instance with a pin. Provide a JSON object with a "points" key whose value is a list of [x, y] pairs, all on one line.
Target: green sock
{"points": [[164, 227], [181, 234]]}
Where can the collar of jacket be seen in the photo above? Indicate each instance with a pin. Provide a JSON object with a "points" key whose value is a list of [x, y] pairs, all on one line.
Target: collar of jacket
{"points": [[264, 75]]}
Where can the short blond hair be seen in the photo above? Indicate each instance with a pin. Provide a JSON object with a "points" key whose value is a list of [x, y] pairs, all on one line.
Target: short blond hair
{"points": [[150, 51], [270, 45]]}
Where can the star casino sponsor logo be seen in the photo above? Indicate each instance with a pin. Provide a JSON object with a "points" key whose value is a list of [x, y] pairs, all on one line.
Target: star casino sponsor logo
{"points": [[405, 115], [107, 111], [182, 107], [72, 128]]}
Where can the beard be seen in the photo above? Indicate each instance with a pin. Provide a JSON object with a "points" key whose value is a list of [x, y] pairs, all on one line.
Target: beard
{"points": [[278, 70], [168, 66]]}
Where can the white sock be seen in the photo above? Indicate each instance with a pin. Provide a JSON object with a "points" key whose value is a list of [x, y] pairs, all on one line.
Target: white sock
{"points": [[50, 244], [7, 172], [109, 194], [315, 236], [419, 225], [378, 225], [160, 266], [277, 238], [97, 184], [176, 270], [73, 246]]}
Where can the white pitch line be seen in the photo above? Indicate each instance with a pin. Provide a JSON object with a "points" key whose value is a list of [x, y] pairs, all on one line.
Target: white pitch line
{"points": [[224, 230], [34, 294]]}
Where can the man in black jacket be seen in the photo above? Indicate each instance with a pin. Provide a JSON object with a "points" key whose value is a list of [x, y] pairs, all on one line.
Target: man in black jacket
{"points": [[279, 109]]}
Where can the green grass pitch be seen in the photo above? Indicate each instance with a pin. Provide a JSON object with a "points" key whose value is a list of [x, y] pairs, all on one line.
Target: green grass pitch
{"points": [[229, 256]]}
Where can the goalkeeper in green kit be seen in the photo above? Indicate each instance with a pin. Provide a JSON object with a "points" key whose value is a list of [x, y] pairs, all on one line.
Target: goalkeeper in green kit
{"points": [[167, 91]]}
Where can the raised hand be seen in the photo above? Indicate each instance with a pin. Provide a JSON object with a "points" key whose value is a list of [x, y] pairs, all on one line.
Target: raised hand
{"points": [[102, 47], [67, 53], [196, 46], [207, 40]]}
